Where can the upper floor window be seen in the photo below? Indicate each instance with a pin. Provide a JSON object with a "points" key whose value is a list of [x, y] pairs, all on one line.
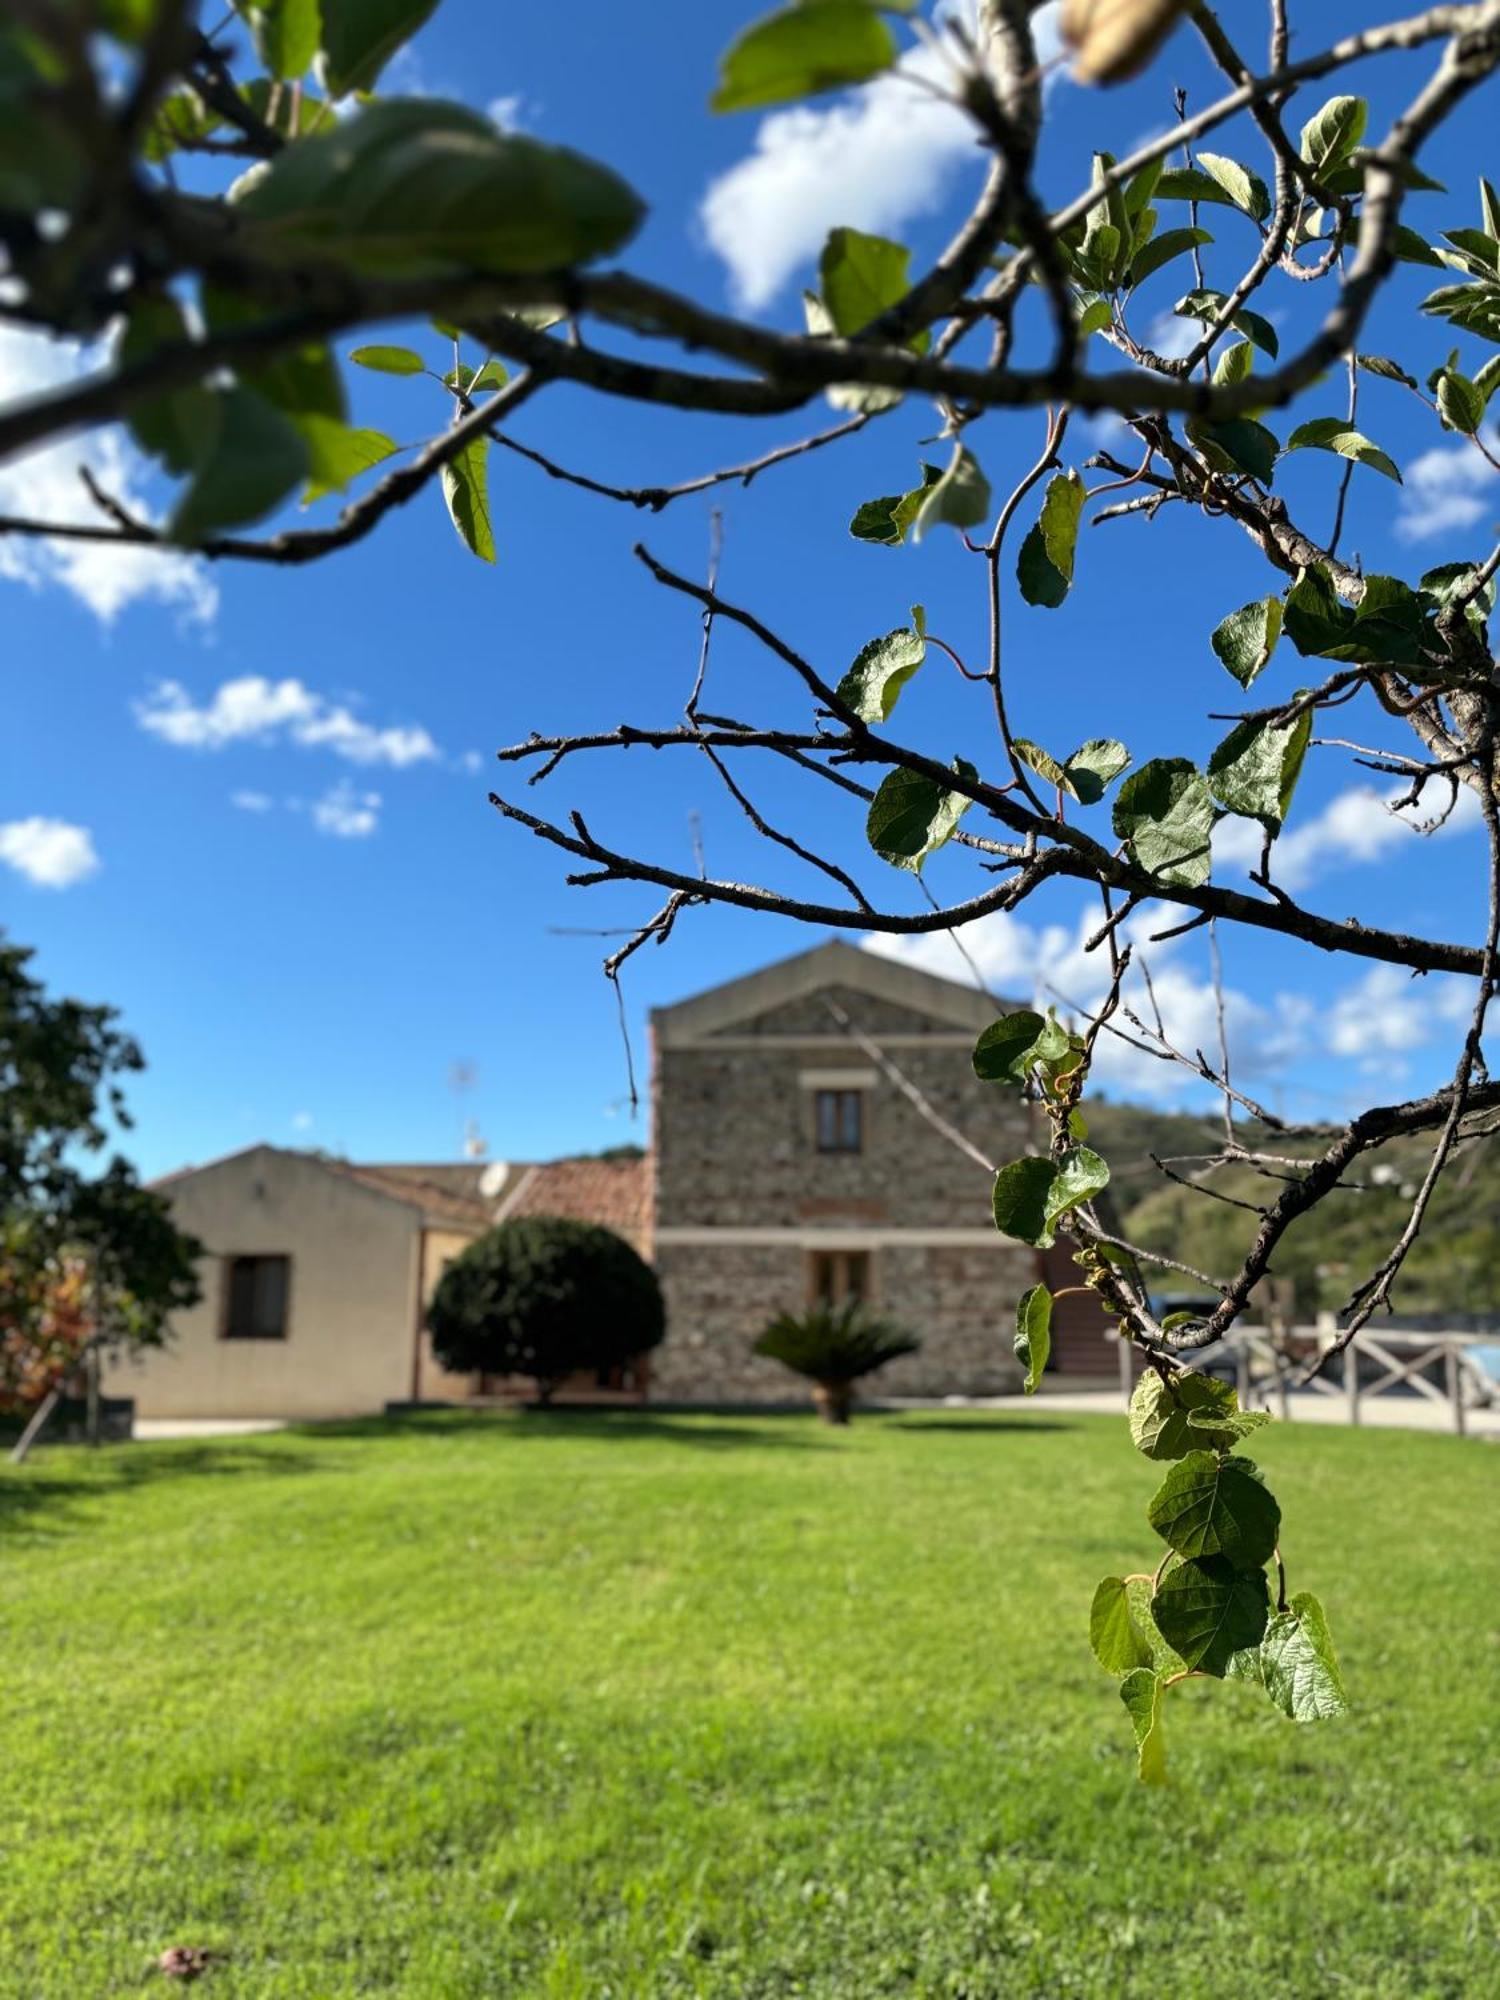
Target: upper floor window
{"points": [[255, 1297], [840, 1120]]}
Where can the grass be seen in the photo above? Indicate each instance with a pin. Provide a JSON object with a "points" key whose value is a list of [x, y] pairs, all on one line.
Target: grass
{"points": [[659, 1706]]}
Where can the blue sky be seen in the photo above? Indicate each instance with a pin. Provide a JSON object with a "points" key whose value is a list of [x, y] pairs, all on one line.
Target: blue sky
{"points": [[310, 924]]}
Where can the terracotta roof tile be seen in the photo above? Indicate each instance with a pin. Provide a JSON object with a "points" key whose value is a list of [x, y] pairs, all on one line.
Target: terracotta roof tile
{"points": [[616, 1193]]}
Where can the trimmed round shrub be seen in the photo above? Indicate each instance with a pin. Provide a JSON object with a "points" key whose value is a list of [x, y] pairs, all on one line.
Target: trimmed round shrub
{"points": [[545, 1296]]}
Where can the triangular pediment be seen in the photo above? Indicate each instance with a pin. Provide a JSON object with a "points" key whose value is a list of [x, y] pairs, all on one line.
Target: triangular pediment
{"points": [[777, 998]]}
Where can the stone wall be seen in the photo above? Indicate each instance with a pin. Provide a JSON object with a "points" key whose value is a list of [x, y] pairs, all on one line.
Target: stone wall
{"points": [[959, 1301], [735, 1146]]}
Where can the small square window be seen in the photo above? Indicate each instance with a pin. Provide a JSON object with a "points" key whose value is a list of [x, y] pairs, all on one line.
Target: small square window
{"points": [[255, 1297], [840, 1121]]}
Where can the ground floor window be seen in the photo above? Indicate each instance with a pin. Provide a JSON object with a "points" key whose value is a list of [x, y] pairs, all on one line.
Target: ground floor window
{"points": [[836, 1276], [255, 1297]]}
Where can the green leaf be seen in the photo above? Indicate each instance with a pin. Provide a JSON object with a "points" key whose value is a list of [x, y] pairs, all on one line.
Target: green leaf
{"points": [[1438, 585], [337, 454], [1223, 1428], [820, 45], [1312, 617], [1213, 1504], [1093, 768], [1163, 249], [1119, 1643], [1299, 1666], [1094, 318], [887, 520], [361, 36], [1044, 567], [1334, 434], [1191, 184], [1234, 364], [1255, 769], [1472, 308], [911, 816], [419, 187], [286, 33], [173, 427], [861, 277], [1236, 444], [1207, 305], [1161, 1418], [958, 498], [1381, 364], [1086, 775], [1331, 135], [1349, 176], [1207, 1610], [1246, 639], [493, 375], [1166, 814], [1245, 191], [1010, 1048], [1031, 1195], [1141, 1692], [466, 490], [1410, 248], [389, 360], [249, 462], [1489, 207], [1460, 403], [1033, 1341], [880, 671]]}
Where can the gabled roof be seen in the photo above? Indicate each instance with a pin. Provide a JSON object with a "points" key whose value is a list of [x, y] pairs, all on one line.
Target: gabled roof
{"points": [[832, 964], [446, 1196]]}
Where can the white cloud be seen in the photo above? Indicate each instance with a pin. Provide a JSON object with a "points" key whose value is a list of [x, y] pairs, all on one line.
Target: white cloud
{"points": [[45, 485], [1447, 490], [302, 1121], [1389, 1012], [254, 709], [346, 813], [1047, 965], [873, 160], [1357, 826], [50, 853], [252, 802]]}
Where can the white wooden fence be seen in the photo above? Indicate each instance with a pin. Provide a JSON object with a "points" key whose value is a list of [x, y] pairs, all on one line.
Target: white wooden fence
{"points": [[1267, 1367]]}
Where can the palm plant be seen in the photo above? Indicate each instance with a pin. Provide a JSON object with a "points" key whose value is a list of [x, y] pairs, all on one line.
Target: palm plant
{"points": [[833, 1346]]}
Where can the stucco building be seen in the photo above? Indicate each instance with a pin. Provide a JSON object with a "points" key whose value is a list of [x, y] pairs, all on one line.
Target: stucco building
{"points": [[796, 1154]]}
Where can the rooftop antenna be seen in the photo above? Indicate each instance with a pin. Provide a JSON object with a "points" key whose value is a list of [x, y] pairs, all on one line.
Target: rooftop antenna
{"points": [[463, 1076]]}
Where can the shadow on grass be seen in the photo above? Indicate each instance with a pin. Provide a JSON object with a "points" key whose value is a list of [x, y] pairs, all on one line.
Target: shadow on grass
{"points": [[45, 1494], [531, 1426], [968, 1426]]}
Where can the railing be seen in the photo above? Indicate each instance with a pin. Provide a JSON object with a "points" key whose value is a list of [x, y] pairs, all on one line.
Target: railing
{"points": [[1268, 1366]]}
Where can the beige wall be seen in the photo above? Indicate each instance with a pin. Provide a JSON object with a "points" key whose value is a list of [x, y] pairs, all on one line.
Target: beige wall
{"points": [[352, 1303], [435, 1384]]}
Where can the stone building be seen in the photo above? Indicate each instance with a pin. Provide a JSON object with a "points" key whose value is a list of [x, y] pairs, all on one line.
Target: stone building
{"points": [[788, 1164]]}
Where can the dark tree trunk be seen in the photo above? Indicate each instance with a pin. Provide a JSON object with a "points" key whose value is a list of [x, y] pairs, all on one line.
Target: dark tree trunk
{"points": [[833, 1401]]}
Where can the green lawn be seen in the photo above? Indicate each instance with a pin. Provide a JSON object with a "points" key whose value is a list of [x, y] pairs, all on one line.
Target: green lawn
{"points": [[622, 1705]]}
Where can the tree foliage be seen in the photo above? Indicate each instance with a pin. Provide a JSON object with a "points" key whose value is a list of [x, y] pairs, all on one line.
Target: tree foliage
{"points": [[834, 1346], [84, 1257], [1267, 223], [546, 1297]]}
